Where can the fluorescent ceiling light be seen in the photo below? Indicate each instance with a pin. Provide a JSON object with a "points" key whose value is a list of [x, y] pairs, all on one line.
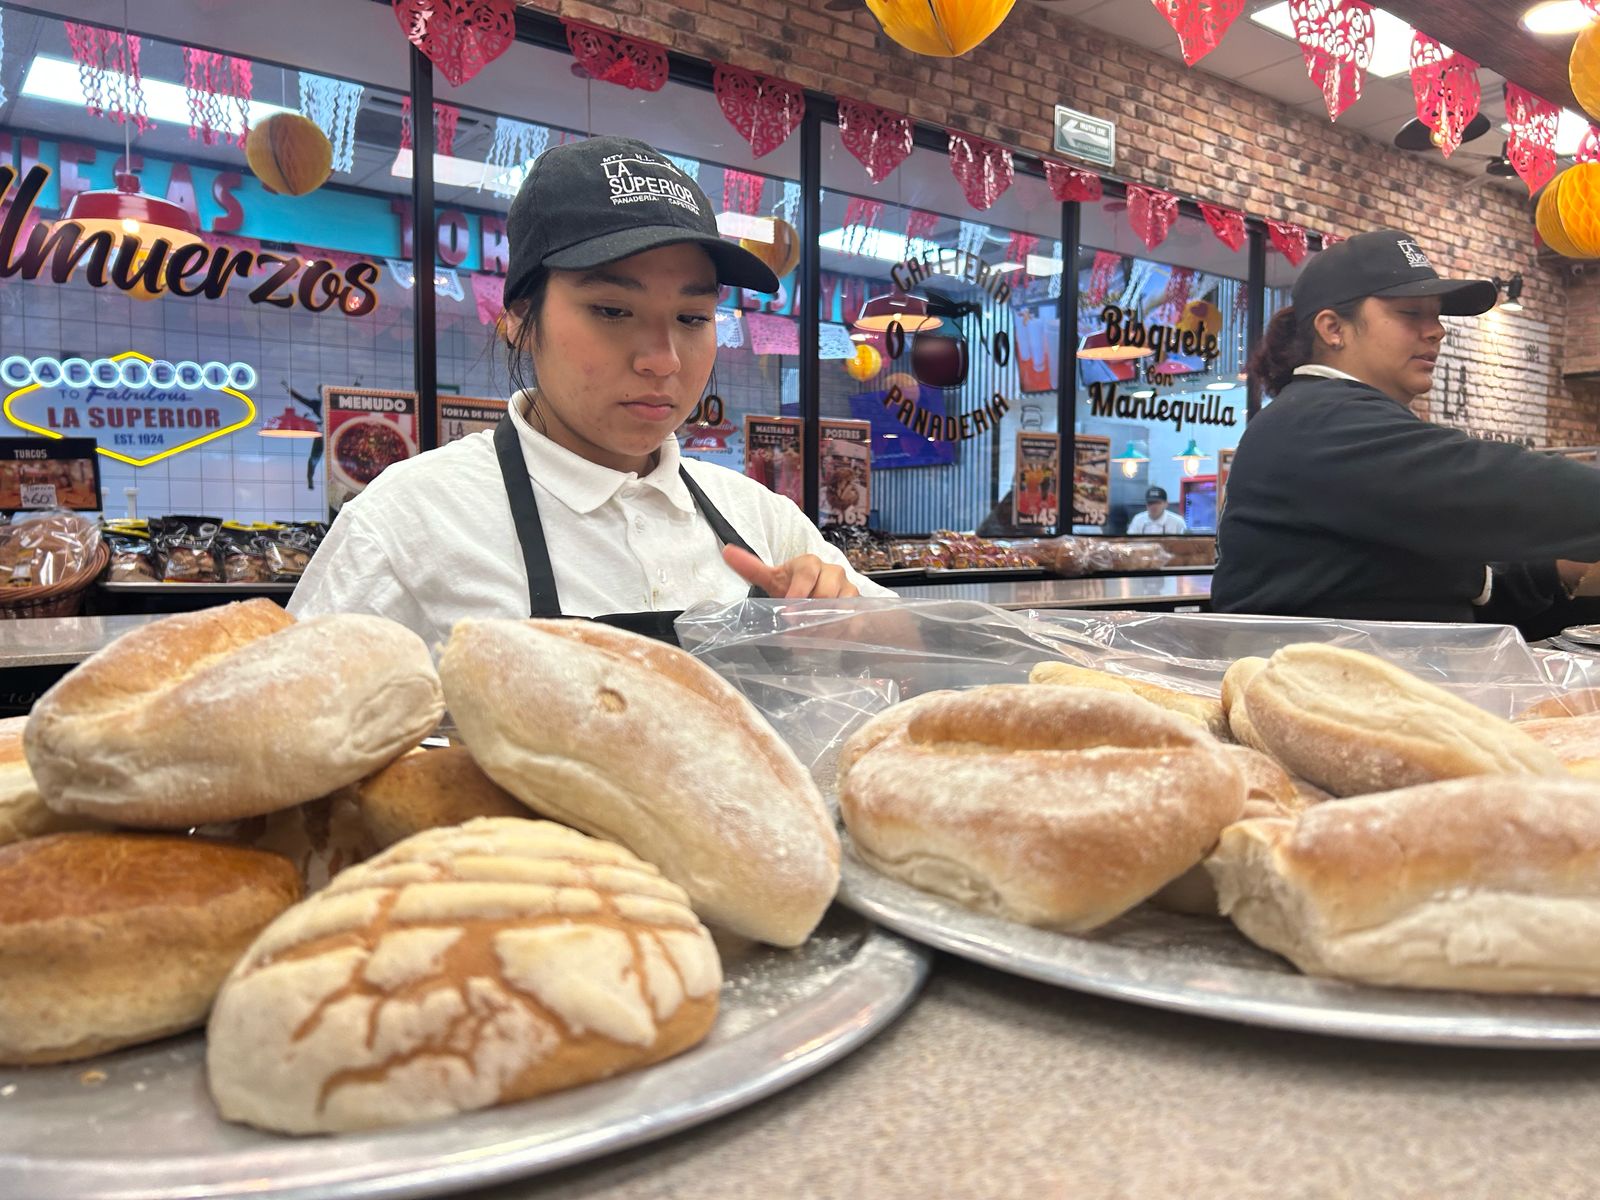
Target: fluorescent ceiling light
{"points": [[739, 225], [464, 172], [876, 243], [1007, 267], [1042, 265], [57, 79], [1554, 17], [1391, 38]]}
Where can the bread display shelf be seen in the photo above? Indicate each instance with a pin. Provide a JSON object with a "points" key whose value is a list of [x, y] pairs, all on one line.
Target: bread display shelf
{"points": [[1204, 967], [139, 1123], [217, 589]]}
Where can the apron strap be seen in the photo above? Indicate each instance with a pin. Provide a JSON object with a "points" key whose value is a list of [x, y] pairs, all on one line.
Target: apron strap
{"points": [[726, 533], [542, 599]]}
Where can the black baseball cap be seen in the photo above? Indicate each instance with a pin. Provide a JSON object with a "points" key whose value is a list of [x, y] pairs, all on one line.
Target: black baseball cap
{"points": [[587, 203], [1151, 495], [1385, 262]]}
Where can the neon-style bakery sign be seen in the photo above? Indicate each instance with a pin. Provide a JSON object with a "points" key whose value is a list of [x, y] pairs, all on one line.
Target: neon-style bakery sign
{"points": [[144, 407]]}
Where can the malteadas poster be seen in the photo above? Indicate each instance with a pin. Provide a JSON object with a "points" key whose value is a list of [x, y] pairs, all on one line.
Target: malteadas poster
{"points": [[461, 415], [844, 489], [1036, 490], [366, 430], [1091, 480], [773, 454]]}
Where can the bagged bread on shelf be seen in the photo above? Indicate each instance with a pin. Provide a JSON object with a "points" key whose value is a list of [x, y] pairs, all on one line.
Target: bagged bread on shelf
{"points": [[133, 553], [1055, 806], [635, 741], [188, 548], [244, 556], [229, 712], [461, 968], [1486, 884], [40, 549], [112, 939]]}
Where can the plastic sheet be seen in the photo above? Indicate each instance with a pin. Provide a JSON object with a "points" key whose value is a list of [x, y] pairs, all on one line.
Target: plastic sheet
{"points": [[818, 670]]}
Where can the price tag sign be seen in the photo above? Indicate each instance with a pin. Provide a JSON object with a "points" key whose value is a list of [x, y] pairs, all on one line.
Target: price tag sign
{"points": [[38, 495]]}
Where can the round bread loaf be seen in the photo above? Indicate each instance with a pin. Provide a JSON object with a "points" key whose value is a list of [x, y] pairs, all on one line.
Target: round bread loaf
{"points": [[23, 813], [1489, 884], [637, 742], [1203, 710], [230, 712], [1056, 806], [1354, 724], [464, 967], [1575, 740], [427, 789], [111, 939], [1234, 682], [1576, 703], [320, 837]]}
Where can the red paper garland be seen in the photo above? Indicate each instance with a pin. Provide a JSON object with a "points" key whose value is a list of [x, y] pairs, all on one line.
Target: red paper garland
{"points": [[1445, 85], [1151, 212], [880, 139], [612, 58], [1019, 248], [445, 119], [101, 54], [1176, 296], [741, 191], [210, 79], [764, 110], [460, 37], [1532, 146], [1593, 6], [1331, 239], [920, 224], [1288, 240], [1226, 223], [1199, 24], [983, 169], [1589, 148], [1101, 276], [1336, 38], [860, 218], [1070, 184]]}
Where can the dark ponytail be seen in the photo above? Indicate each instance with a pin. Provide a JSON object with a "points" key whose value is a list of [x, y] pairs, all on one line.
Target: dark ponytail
{"points": [[1287, 344]]}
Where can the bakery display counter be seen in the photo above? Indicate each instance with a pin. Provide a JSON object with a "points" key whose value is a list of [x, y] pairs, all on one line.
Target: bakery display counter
{"points": [[1152, 592]]}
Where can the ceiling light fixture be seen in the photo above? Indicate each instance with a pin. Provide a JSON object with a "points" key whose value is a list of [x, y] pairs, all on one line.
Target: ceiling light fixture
{"points": [[1513, 290], [1554, 18]]}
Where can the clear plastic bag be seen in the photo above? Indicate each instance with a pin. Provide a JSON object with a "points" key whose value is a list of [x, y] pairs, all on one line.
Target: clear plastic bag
{"points": [[818, 670], [43, 548]]}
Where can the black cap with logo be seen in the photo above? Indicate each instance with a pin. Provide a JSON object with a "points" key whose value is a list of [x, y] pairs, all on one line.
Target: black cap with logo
{"points": [[1155, 494], [1385, 262], [587, 203]]}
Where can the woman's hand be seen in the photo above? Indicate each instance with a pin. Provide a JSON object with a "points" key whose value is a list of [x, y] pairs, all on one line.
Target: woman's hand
{"points": [[803, 578]]}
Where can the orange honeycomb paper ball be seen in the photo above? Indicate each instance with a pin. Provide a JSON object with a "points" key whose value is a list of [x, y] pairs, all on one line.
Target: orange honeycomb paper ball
{"points": [[866, 363], [1578, 203], [1583, 69], [940, 28], [782, 253], [289, 154], [1548, 220]]}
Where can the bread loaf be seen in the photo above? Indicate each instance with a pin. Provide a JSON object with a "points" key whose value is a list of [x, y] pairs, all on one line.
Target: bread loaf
{"points": [[111, 939], [467, 966], [230, 712], [1577, 703], [1234, 682], [23, 813], [1488, 884], [1056, 806], [320, 837], [1203, 710], [427, 789], [637, 742], [1354, 724], [1575, 740]]}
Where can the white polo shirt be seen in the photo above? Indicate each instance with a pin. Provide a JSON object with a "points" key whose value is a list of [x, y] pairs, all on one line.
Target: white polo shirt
{"points": [[1170, 523], [431, 540]]}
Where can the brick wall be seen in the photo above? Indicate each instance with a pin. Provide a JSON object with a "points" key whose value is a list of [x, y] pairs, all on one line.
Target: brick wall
{"points": [[1203, 137]]}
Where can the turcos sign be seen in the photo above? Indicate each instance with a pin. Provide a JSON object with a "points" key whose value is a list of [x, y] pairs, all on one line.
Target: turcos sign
{"points": [[59, 249]]}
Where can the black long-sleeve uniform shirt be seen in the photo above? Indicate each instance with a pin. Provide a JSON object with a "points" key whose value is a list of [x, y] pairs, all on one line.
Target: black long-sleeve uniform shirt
{"points": [[1343, 503]]}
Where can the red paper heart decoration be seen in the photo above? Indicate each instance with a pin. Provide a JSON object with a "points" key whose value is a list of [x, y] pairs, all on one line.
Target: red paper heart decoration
{"points": [[1101, 276], [1200, 24], [983, 169], [460, 37], [880, 139], [1336, 38], [1069, 184], [1151, 212], [612, 58], [1445, 85], [1289, 240], [764, 110], [1331, 239], [742, 191], [919, 224], [1532, 147], [1226, 223], [1589, 149], [1019, 248]]}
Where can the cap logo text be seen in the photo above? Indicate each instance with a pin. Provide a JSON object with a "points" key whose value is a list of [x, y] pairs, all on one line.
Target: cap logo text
{"points": [[634, 179], [1413, 252]]}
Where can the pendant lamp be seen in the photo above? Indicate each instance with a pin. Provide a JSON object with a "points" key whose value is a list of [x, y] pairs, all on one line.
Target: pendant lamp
{"points": [[290, 424], [1130, 460], [125, 210], [911, 312], [1191, 458]]}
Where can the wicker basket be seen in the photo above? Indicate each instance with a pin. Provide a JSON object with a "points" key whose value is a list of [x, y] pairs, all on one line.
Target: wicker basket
{"points": [[63, 598]]}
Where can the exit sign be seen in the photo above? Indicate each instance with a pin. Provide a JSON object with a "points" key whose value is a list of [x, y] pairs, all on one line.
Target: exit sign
{"points": [[1092, 139]]}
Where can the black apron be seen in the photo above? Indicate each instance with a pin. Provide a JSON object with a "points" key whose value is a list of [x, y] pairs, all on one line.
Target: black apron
{"points": [[542, 599]]}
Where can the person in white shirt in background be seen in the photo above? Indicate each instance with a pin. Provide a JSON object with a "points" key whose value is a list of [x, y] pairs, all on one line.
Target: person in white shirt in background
{"points": [[1155, 519], [579, 503]]}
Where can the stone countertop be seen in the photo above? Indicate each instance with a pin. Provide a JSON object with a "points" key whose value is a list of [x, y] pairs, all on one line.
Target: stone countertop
{"points": [[50, 641], [995, 1086]]}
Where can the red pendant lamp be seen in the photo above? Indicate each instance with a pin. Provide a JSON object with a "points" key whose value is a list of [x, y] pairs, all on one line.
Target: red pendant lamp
{"points": [[127, 210]]}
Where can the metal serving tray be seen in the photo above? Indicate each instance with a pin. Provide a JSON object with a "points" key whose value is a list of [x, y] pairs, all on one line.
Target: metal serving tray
{"points": [[1205, 967], [140, 1123]]}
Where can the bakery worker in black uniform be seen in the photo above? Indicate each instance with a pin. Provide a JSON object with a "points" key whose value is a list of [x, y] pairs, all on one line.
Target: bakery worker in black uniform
{"points": [[1343, 503]]}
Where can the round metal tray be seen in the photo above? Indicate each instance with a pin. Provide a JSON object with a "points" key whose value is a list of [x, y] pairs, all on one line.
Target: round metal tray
{"points": [[139, 1123], [1205, 967]]}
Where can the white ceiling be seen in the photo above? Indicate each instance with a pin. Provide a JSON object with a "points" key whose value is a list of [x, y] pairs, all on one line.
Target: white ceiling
{"points": [[1271, 65]]}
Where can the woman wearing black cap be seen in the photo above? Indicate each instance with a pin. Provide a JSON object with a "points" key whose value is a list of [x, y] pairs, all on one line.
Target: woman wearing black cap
{"points": [[1343, 503], [611, 292]]}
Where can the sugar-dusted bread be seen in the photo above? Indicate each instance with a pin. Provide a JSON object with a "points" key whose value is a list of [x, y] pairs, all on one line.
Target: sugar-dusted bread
{"points": [[1234, 682], [1354, 724], [639, 743], [430, 788], [464, 967], [230, 712], [23, 813], [1056, 806], [1489, 884], [1203, 710], [1575, 740], [111, 939]]}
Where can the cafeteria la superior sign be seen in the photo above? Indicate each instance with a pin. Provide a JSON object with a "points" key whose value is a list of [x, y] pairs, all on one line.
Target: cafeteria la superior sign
{"points": [[197, 269]]}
